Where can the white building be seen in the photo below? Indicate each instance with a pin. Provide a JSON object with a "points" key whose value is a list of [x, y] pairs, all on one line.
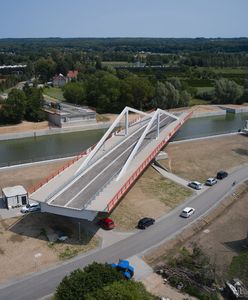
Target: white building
{"points": [[14, 196]]}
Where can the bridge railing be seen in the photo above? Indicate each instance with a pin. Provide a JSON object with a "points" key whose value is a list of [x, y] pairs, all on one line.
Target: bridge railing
{"points": [[126, 186]]}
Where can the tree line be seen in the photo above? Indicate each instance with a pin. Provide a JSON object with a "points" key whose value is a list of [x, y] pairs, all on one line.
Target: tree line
{"points": [[110, 92], [22, 105]]}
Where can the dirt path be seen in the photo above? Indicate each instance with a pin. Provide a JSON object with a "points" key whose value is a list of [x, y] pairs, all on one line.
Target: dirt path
{"points": [[24, 127]]}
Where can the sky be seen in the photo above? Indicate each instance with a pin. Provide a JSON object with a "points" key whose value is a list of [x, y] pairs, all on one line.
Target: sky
{"points": [[123, 18]]}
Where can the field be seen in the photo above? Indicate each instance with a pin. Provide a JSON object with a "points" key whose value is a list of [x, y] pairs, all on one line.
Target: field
{"points": [[54, 92], [198, 160], [151, 196]]}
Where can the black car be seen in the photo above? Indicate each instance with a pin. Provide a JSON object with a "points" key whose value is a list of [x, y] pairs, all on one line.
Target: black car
{"points": [[221, 174], [145, 222]]}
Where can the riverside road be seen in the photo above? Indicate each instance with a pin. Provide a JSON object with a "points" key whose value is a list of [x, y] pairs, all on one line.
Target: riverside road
{"points": [[43, 283]]}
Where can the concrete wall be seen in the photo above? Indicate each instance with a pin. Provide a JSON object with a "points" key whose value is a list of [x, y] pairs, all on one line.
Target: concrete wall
{"points": [[68, 212]]}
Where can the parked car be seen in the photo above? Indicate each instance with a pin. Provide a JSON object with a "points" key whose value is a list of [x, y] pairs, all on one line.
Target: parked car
{"points": [[107, 224], [211, 181], [222, 174], [31, 207], [195, 185], [145, 222], [187, 212]]}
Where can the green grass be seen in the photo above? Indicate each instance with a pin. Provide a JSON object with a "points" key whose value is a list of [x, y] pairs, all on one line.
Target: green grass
{"points": [[68, 253], [54, 92], [168, 192], [196, 101], [204, 89], [239, 267]]}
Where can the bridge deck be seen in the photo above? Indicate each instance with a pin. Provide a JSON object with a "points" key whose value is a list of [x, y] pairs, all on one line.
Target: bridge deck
{"points": [[83, 189], [94, 187]]}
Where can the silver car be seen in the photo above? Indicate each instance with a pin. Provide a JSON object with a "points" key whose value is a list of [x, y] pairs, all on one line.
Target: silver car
{"points": [[211, 181], [195, 185]]}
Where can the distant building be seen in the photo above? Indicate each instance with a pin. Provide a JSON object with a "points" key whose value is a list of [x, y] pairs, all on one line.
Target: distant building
{"points": [[59, 80], [72, 75], [63, 114]]}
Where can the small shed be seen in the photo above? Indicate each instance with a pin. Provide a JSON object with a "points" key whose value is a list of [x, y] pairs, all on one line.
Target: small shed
{"points": [[15, 196]]}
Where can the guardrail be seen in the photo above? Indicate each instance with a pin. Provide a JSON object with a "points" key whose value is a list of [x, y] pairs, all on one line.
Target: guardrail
{"points": [[141, 168]]}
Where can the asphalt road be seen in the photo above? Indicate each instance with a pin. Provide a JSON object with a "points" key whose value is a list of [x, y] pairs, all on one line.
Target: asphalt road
{"points": [[79, 193], [40, 284]]}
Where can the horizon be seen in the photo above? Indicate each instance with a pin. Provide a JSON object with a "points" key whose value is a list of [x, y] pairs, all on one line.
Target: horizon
{"points": [[125, 37], [111, 19]]}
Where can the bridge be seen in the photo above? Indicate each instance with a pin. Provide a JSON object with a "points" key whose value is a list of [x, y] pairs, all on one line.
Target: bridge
{"points": [[97, 179]]}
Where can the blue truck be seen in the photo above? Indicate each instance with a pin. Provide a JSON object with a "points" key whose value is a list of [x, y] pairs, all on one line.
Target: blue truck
{"points": [[124, 267]]}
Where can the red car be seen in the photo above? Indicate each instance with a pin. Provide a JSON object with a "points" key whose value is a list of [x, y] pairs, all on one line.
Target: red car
{"points": [[107, 224]]}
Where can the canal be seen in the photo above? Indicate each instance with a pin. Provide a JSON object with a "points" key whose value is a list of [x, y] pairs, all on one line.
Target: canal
{"points": [[68, 144]]}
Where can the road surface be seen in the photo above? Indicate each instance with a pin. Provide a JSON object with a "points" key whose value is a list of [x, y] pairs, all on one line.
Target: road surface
{"points": [[43, 283]]}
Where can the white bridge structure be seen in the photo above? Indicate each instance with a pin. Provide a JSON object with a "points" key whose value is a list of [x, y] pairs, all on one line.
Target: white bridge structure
{"points": [[96, 180]]}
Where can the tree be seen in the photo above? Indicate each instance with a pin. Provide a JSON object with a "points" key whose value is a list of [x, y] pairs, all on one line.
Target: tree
{"points": [[136, 92], [121, 290], [82, 282], [34, 105], [166, 96], [227, 91], [74, 92], [185, 98], [45, 68], [103, 90], [14, 109]]}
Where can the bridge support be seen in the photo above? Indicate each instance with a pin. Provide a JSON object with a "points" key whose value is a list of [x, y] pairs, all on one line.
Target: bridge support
{"points": [[125, 112], [156, 116]]}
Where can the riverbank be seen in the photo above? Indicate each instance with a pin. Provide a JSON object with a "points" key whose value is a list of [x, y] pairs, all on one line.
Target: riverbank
{"points": [[29, 129], [51, 131]]}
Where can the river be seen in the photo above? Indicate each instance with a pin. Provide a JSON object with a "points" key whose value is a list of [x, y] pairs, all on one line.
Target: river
{"points": [[68, 144]]}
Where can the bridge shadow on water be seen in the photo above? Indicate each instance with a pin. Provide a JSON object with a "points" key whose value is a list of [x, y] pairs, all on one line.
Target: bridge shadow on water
{"points": [[50, 227]]}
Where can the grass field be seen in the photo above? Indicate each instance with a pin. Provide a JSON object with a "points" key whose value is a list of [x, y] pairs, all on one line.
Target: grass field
{"points": [[196, 101], [199, 160], [54, 92], [151, 196], [203, 89]]}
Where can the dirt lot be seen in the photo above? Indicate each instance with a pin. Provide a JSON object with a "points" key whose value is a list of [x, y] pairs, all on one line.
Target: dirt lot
{"points": [[151, 196], [28, 176], [24, 245], [23, 127], [199, 160], [221, 239]]}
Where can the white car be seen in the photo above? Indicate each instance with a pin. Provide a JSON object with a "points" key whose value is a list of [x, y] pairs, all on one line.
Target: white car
{"points": [[195, 185], [187, 212], [211, 181], [30, 208]]}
